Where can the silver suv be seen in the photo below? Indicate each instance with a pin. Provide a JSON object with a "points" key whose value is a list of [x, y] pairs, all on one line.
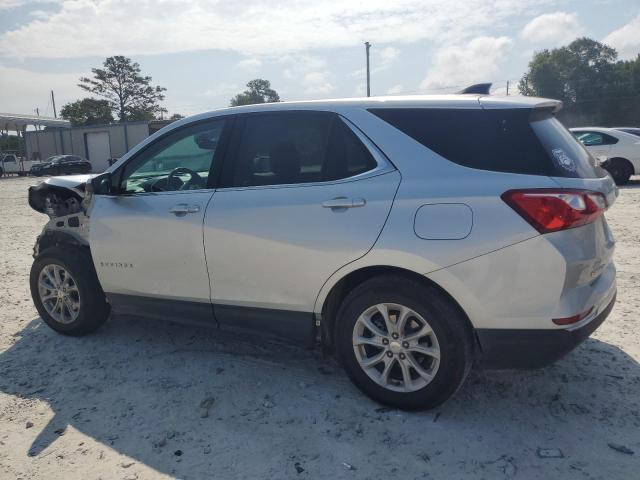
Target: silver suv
{"points": [[414, 236]]}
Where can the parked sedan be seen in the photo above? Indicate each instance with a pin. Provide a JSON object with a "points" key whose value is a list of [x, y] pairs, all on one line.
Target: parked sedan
{"points": [[61, 165], [617, 151], [632, 130]]}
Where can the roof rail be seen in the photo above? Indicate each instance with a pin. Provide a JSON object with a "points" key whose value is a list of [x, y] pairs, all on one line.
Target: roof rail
{"points": [[478, 88]]}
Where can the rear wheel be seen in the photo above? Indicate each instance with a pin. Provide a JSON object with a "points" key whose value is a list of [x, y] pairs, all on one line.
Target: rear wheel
{"points": [[402, 343], [620, 169], [66, 291]]}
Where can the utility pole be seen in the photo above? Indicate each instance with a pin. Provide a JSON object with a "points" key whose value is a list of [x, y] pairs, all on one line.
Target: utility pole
{"points": [[507, 87], [53, 102], [368, 46]]}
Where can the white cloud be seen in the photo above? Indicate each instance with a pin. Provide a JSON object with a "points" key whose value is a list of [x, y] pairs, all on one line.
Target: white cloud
{"points": [[10, 4], [395, 90], [461, 65], [626, 39], [250, 27], [250, 64], [317, 84], [224, 90], [389, 54], [360, 90], [35, 86], [309, 71], [382, 60], [552, 29]]}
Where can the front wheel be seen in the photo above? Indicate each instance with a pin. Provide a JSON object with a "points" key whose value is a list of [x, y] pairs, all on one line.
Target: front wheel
{"points": [[403, 343], [66, 291]]}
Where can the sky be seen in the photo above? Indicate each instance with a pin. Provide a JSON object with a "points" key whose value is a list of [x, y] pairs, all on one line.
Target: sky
{"points": [[205, 51]]}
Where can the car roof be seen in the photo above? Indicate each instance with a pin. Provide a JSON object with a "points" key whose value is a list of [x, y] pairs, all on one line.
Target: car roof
{"points": [[470, 101]]}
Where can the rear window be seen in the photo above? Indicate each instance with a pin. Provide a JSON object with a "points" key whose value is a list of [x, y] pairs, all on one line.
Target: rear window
{"points": [[521, 141]]}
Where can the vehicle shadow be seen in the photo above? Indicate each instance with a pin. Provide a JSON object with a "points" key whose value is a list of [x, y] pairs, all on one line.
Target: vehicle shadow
{"points": [[634, 182], [188, 401]]}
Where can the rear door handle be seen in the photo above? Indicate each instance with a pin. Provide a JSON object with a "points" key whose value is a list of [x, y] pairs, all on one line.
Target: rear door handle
{"points": [[344, 202], [182, 209]]}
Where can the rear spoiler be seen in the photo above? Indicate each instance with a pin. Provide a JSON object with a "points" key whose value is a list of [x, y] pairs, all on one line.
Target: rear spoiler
{"points": [[489, 101], [476, 89]]}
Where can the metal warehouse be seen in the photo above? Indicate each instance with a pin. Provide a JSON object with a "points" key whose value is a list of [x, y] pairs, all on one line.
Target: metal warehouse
{"points": [[96, 143]]}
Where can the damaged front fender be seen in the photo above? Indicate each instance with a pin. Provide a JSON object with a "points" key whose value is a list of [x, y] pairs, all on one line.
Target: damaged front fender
{"points": [[64, 200], [58, 196]]}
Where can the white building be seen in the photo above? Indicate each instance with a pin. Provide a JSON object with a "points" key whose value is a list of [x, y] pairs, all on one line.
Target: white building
{"points": [[96, 143]]}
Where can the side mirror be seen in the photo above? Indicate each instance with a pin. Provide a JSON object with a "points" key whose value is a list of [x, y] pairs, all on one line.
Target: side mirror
{"points": [[101, 185]]}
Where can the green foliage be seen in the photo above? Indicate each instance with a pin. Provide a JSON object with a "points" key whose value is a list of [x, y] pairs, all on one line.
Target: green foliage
{"points": [[11, 143], [88, 111], [258, 91], [130, 95], [587, 76]]}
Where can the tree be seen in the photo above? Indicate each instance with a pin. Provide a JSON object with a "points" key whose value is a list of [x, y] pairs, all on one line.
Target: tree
{"points": [[130, 95], [88, 111], [258, 91], [587, 76]]}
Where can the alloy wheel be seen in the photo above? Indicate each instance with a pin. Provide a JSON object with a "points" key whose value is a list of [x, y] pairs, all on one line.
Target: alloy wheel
{"points": [[59, 293], [396, 347]]}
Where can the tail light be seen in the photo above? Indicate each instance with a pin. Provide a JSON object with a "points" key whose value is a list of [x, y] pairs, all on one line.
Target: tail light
{"points": [[553, 210]]}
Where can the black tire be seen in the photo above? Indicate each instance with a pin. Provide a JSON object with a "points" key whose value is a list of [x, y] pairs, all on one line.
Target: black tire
{"points": [[94, 309], [620, 169], [450, 326]]}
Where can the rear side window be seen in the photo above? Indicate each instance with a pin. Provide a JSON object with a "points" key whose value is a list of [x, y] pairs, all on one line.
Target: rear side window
{"points": [[297, 147], [521, 141]]}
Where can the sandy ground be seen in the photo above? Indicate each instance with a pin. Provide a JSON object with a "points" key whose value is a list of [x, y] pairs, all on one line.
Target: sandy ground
{"points": [[145, 400]]}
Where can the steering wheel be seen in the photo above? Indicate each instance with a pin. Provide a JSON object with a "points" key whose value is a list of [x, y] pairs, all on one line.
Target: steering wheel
{"points": [[174, 183]]}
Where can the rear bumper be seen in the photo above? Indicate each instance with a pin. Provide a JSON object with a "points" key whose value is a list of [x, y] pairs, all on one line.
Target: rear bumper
{"points": [[519, 348]]}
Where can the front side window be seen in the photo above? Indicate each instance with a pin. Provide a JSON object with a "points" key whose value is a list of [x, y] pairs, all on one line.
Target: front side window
{"points": [[297, 147], [181, 160]]}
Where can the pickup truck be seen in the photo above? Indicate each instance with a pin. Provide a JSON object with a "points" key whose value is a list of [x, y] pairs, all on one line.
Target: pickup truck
{"points": [[10, 163]]}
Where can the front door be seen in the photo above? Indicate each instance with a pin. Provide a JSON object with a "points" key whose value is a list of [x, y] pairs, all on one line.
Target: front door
{"points": [[300, 197], [146, 241]]}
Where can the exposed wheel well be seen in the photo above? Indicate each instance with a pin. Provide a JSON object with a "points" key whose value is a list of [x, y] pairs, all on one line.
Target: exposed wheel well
{"points": [[53, 238], [341, 289]]}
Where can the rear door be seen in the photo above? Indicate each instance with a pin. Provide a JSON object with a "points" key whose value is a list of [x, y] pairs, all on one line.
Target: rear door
{"points": [[303, 194]]}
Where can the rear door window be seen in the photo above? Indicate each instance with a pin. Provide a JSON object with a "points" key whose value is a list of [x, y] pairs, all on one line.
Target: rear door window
{"points": [[520, 140], [296, 148]]}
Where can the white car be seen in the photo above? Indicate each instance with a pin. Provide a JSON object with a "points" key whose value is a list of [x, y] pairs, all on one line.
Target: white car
{"points": [[617, 150], [415, 236]]}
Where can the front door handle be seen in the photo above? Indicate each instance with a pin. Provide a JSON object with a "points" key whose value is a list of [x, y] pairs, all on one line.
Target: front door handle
{"points": [[344, 202], [182, 209]]}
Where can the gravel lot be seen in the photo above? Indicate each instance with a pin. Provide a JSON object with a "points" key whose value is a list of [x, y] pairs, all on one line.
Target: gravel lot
{"points": [[146, 400]]}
